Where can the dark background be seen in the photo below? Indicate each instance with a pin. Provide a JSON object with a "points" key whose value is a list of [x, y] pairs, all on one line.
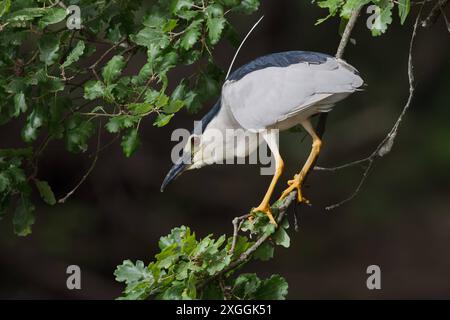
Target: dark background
{"points": [[400, 220]]}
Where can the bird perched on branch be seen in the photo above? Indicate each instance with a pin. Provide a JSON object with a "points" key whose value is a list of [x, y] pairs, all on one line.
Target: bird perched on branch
{"points": [[273, 92]]}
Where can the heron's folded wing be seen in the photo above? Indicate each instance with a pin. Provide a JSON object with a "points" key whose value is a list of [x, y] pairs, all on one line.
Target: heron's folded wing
{"points": [[265, 97]]}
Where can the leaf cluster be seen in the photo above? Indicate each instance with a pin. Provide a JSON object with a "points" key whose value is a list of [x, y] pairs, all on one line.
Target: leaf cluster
{"points": [[67, 84], [383, 12], [191, 268]]}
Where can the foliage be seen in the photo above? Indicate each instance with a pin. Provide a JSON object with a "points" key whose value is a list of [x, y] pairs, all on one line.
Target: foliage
{"points": [[383, 11], [60, 83], [187, 268]]}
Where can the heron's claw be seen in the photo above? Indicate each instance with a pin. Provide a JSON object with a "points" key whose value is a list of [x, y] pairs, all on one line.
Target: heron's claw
{"points": [[263, 209], [295, 184]]}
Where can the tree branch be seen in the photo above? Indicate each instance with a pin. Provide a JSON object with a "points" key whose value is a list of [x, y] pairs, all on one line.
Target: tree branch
{"points": [[280, 208], [385, 146], [435, 13], [91, 168], [347, 32]]}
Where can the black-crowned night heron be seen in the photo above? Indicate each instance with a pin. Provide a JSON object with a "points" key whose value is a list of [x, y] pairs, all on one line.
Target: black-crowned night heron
{"points": [[277, 91]]}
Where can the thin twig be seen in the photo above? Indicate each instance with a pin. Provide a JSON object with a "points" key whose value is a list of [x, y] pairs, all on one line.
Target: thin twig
{"points": [[237, 224], [447, 22], [385, 146], [94, 162], [103, 56], [434, 13]]}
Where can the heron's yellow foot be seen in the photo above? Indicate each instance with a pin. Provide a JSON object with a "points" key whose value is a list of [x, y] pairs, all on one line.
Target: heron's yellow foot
{"points": [[264, 209], [295, 184]]}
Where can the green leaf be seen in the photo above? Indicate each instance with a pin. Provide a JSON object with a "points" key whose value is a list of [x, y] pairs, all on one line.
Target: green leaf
{"points": [[404, 7], [46, 192], [162, 120], [215, 28], [176, 235], [162, 101], [77, 133], [245, 286], [174, 106], [151, 38], [179, 92], [332, 5], [16, 153], [5, 203], [151, 96], [192, 102], [218, 264], [165, 63], [350, 6], [191, 35], [264, 252], [52, 16], [113, 69], [26, 14], [118, 123], [20, 105], [178, 5], [209, 87], [23, 217], [34, 121], [130, 142], [170, 25], [248, 6], [154, 20], [4, 182], [281, 238], [5, 6], [274, 288], [168, 257], [212, 291], [93, 90], [139, 108], [129, 272], [144, 74], [48, 83], [214, 10], [175, 292], [75, 54], [48, 47], [383, 19], [16, 85]]}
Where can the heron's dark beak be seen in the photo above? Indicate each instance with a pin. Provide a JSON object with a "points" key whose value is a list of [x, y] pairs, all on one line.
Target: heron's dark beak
{"points": [[178, 168]]}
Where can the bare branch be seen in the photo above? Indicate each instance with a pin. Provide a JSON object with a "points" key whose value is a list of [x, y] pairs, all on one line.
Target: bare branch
{"points": [[237, 224], [94, 162], [387, 143], [435, 13], [447, 22], [358, 188]]}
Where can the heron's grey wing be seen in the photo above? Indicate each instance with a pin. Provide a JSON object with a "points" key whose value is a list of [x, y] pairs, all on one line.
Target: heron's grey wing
{"points": [[270, 95]]}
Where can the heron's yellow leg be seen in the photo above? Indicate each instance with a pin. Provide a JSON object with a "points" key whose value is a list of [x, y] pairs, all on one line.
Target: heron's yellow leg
{"points": [[270, 137], [265, 203], [296, 182]]}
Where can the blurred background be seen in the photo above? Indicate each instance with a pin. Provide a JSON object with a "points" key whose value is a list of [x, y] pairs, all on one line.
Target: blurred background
{"points": [[400, 220]]}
